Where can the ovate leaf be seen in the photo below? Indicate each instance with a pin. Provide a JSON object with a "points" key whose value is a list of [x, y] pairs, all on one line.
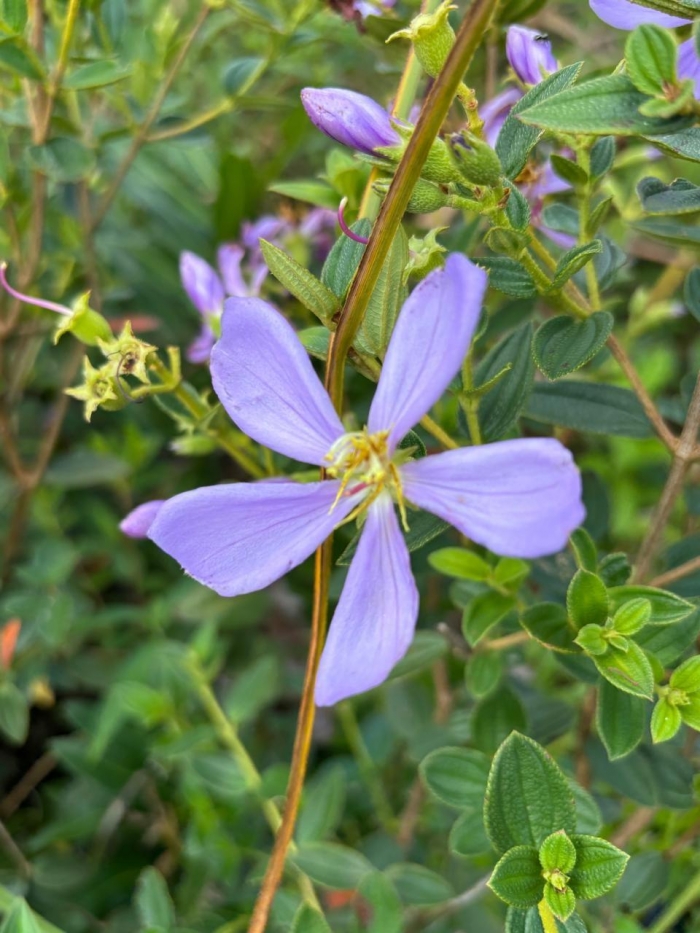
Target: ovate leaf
{"points": [[457, 776], [562, 346], [314, 295], [517, 878]]}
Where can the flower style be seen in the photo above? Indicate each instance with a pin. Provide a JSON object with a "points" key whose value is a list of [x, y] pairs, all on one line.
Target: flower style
{"points": [[517, 497], [622, 14], [352, 119]]}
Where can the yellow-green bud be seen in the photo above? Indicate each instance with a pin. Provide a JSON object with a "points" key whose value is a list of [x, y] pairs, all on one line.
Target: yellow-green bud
{"points": [[100, 389], [86, 325], [432, 38], [127, 355], [425, 198], [476, 160]]}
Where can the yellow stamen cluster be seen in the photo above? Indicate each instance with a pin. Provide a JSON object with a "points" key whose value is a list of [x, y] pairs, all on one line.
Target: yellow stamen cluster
{"points": [[361, 460]]}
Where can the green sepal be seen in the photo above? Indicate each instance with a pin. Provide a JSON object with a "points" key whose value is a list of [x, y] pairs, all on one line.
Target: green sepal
{"points": [[87, 325]]}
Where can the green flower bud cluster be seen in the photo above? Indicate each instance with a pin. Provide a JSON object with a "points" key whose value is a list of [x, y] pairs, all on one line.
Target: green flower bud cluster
{"points": [[432, 38]]}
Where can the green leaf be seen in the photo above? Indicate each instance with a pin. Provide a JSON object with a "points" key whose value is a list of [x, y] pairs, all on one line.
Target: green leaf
{"points": [[508, 276], [495, 717], [309, 920], [588, 816], [517, 878], [516, 140], [644, 881], [316, 341], [483, 672], [614, 569], [586, 406], [687, 676], [548, 623], [651, 55], [426, 648], [387, 911], [387, 299], [314, 295], [239, 73], [668, 642], [419, 886], [95, 74], [684, 144], [670, 232], [311, 192], [332, 865], [561, 901], [518, 209], [14, 14], [324, 800], [665, 721], [606, 106], [457, 776], [666, 607], [599, 866], [562, 346], [632, 616], [591, 638], [680, 197], [690, 713], [253, 689], [510, 572], [14, 713], [602, 156], [500, 408], [20, 919], [568, 170], [572, 262], [153, 902], [584, 549], [628, 670], [620, 719], [529, 921], [18, 57], [691, 292], [527, 798], [587, 599], [341, 264], [459, 563], [557, 852], [62, 159], [468, 836], [482, 613]]}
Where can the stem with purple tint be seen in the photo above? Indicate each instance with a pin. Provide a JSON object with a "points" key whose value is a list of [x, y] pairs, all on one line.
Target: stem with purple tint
{"points": [[28, 299]]}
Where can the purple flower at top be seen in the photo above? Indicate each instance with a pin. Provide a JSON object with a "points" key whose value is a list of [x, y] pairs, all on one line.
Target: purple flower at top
{"points": [[622, 14], [518, 497], [530, 54], [352, 119]]}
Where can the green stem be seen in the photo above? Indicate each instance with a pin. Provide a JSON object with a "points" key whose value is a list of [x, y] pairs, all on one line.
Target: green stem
{"points": [[585, 199], [366, 765], [470, 405], [688, 897], [230, 739]]}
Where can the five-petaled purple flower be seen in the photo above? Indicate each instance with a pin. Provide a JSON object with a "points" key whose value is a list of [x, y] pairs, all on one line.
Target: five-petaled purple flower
{"points": [[517, 497], [622, 14]]}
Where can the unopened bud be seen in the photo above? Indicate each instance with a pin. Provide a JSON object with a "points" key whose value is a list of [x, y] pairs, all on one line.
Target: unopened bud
{"points": [[530, 54], [87, 325], [432, 38], [477, 161], [425, 198], [128, 355], [352, 119], [100, 389]]}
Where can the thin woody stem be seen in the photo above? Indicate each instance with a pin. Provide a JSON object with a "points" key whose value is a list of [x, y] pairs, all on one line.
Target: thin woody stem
{"points": [[151, 117], [682, 459], [435, 109], [677, 573]]}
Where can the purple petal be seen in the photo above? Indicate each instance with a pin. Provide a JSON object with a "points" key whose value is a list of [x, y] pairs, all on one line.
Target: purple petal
{"points": [[200, 349], [229, 256], [495, 111], [689, 64], [266, 383], [429, 343], [625, 15], [240, 538], [530, 54], [202, 284], [140, 519], [374, 622], [352, 119], [268, 227], [519, 498]]}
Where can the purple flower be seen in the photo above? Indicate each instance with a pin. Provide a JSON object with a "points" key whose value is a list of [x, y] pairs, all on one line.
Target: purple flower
{"points": [[530, 54], [495, 112], [517, 497], [137, 523], [367, 8], [202, 284], [349, 118], [622, 14]]}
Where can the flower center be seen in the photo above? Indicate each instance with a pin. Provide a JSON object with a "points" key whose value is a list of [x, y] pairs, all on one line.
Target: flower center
{"points": [[362, 462]]}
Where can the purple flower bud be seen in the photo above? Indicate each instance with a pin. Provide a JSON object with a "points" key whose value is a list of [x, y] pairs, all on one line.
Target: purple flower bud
{"points": [[350, 118], [140, 519], [530, 54], [201, 283]]}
